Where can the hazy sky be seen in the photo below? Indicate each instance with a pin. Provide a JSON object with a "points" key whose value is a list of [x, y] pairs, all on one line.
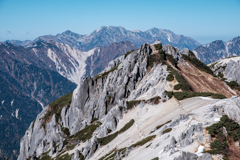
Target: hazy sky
{"points": [[203, 20]]}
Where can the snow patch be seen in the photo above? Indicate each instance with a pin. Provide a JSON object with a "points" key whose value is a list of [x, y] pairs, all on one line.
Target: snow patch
{"points": [[40, 103], [6, 51], [200, 150], [16, 113], [169, 38], [76, 69], [35, 51], [12, 102], [135, 30], [216, 119], [97, 30], [207, 98]]}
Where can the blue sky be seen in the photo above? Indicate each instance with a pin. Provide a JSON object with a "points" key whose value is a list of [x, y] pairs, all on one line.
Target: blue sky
{"points": [[203, 20]]}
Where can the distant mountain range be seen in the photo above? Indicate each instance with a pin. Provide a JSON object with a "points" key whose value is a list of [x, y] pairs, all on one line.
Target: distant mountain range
{"points": [[218, 50], [105, 36]]}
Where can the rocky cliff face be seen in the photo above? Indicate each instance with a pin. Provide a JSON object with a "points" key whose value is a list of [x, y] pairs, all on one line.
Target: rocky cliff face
{"points": [[42, 73], [124, 111], [105, 36], [103, 55], [227, 68], [217, 50]]}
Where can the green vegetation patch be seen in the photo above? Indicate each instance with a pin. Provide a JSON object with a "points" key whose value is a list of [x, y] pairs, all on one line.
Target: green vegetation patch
{"points": [[71, 141], [125, 55], [112, 154], [169, 94], [109, 130], [170, 77], [45, 156], [120, 107], [145, 140], [111, 70], [33, 124], [220, 145], [153, 58], [85, 133], [109, 138], [65, 131], [178, 86], [130, 104], [156, 58], [184, 95], [167, 130], [159, 126], [126, 126], [156, 158], [104, 157], [185, 86], [154, 100], [233, 85], [171, 59], [66, 157], [197, 63], [149, 145], [94, 119], [159, 57], [56, 107], [218, 96], [163, 124], [212, 65], [220, 75], [158, 46], [105, 74]]}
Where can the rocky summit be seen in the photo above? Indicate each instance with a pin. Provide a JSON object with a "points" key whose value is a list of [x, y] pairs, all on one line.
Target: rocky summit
{"points": [[217, 50], [156, 102]]}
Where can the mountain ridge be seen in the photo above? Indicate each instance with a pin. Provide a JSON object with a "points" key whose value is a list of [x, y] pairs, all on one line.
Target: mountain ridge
{"points": [[218, 49], [106, 35], [117, 105], [43, 72]]}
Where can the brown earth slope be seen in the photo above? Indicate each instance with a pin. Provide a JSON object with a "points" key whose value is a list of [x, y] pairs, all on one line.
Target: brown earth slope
{"points": [[202, 81]]}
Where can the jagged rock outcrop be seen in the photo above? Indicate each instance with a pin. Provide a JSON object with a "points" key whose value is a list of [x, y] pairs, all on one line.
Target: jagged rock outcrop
{"points": [[186, 156], [217, 50], [121, 93], [40, 74], [97, 97], [206, 156], [90, 100], [227, 68]]}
